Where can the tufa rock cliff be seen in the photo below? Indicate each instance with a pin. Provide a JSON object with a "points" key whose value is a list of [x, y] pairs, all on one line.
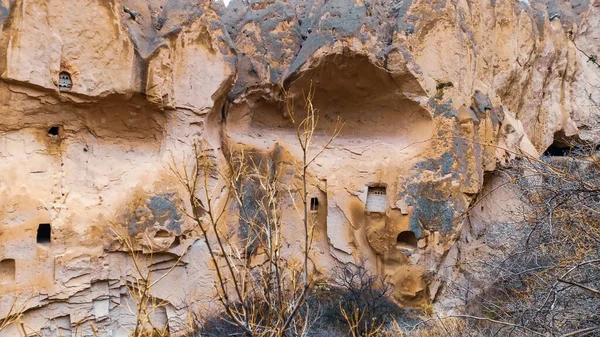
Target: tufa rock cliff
{"points": [[101, 97]]}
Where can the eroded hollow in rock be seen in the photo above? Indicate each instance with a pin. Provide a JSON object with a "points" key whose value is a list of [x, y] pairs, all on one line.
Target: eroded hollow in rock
{"points": [[162, 234], [557, 151], [7, 271], [44, 233], [378, 118], [562, 146], [406, 239], [371, 104], [54, 131]]}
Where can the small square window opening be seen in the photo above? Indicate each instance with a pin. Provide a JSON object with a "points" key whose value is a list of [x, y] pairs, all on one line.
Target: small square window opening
{"points": [[64, 81], [44, 233], [314, 204], [53, 131], [376, 199]]}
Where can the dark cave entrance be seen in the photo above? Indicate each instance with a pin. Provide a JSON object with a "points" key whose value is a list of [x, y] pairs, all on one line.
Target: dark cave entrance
{"points": [[53, 131], [406, 239], [44, 233], [314, 204], [563, 146]]}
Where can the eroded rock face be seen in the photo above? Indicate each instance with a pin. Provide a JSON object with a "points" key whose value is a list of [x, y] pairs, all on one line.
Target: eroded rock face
{"points": [[433, 95]]}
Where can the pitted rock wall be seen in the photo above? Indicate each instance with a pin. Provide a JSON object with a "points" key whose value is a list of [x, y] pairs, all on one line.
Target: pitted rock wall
{"points": [[433, 95]]}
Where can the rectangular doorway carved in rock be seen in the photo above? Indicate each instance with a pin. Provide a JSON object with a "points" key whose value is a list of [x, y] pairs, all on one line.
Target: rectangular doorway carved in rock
{"points": [[44, 233], [65, 83], [314, 204], [376, 199], [7, 271]]}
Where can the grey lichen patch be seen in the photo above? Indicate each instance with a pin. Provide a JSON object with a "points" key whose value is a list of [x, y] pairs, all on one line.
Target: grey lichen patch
{"points": [[311, 45], [259, 168], [436, 191], [310, 26], [6, 8], [444, 163], [267, 37], [444, 109], [481, 103], [344, 17], [159, 211], [434, 215], [433, 206], [566, 11], [151, 24], [436, 204], [164, 209], [434, 201]]}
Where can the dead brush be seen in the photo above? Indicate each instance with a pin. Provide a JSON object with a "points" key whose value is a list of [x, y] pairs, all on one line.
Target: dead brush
{"points": [[140, 290], [260, 286]]}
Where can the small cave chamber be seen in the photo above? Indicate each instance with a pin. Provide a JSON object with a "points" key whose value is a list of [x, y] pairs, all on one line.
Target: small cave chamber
{"points": [[65, 83], [44, 234], [54, 131], [406, 239], [563, 146], [7, 271], [557, 150], [376, 199], [162, 234], [314, 204]]}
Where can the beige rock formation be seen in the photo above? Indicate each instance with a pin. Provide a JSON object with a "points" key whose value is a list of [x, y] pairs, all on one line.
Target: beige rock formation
{"points": [[433, 95]]}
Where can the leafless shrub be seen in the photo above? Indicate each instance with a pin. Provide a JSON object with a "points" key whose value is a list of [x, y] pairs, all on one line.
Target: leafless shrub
{"points": [[140, 290], [260, 286], [356, 302], [16, 310], [547, 281]]}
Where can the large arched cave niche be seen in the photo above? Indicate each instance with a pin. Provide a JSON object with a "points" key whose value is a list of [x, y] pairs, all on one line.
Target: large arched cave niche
{"points": [[377, 115]]}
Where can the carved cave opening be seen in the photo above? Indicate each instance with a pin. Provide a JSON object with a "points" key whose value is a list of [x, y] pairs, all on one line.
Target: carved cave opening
{"points": [[162, 234], [406, 239], [363, 96], [314, 204], [7, 271], [54, 131], [44, 233], [376, 199], [64, 81], [563, 146]]}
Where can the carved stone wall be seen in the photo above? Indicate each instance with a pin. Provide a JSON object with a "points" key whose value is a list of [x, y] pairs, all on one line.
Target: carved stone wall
{"points": [[433, 95]]}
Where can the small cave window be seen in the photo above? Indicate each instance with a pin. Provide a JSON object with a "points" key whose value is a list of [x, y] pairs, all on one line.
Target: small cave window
{"points": [[7, 271], [162, 234], [376, 199], [557, 150], [562, 146], [44, 233], [314, 204], [64, 81], [406, 239], [53, 131]]}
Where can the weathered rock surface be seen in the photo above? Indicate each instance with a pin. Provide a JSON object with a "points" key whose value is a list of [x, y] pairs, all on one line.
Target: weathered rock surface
{"points": [[433, 95]]}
